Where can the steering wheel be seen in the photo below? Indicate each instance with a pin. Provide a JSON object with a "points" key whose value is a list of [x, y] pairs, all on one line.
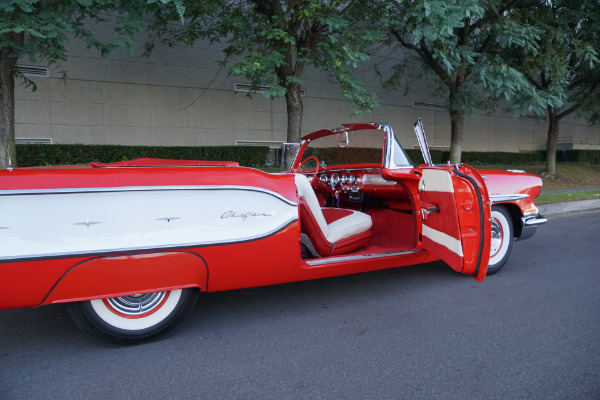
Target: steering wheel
{"points": [[316, 168]]}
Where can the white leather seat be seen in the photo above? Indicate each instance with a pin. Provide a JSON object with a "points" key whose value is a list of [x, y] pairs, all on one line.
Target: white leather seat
{"points": [[346, 231]]}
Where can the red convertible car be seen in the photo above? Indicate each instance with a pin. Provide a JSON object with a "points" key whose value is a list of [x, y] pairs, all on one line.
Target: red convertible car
{"points": [[129, 246]]}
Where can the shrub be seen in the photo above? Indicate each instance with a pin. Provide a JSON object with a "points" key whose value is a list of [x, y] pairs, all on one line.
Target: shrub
{"points": [[67, 154]]}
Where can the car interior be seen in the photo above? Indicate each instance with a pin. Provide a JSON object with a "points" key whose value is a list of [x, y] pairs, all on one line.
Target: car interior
{"points": [[349, 208]]}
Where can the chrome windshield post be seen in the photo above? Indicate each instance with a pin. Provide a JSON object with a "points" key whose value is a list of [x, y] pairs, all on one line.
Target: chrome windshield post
{"points": [[289, 153], [394, 155], [420, 131]]}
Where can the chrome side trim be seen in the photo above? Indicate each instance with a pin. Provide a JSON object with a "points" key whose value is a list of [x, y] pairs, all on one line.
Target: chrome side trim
{"points": [[373, 256], [143, 188], [498, 198]]}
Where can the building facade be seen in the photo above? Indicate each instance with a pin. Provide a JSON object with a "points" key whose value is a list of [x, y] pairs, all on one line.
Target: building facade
{"points": [[180, 96]]}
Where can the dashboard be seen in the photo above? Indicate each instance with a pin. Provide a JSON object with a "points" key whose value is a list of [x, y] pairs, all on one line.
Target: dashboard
{"points": [[357, 185]]}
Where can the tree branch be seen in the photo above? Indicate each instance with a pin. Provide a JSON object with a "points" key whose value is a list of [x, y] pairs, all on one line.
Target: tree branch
{"points": [[426, 55]]}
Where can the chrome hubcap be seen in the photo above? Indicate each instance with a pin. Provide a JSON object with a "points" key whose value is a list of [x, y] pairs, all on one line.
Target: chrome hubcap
{"points": [[496, 237], [138, 303]]}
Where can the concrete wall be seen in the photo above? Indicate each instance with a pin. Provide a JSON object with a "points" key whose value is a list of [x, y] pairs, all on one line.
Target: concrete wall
{"points": [[179, 96]]}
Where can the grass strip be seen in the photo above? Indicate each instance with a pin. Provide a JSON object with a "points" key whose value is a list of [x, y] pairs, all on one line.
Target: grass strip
{"points": [[551, 198]]}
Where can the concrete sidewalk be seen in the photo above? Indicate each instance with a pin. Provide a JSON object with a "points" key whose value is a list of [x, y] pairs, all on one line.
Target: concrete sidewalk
{"points": [[570, 206]]}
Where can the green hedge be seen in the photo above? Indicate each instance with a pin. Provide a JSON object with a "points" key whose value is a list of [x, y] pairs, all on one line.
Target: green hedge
{"points": [[349, 155], [30, 155], [583, 156], [498, 157], [576, 156], [479, 157]]}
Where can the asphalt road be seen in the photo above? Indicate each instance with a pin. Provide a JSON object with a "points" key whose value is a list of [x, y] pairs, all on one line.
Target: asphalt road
{"points": [[421, 332]]}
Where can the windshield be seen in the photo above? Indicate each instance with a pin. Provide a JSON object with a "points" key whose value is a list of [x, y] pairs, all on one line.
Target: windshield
{"points": [[354, 147]]}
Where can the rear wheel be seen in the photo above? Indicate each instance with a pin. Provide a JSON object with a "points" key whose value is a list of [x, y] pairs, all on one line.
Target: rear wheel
{"points": [[133, 319], [502, 238]]}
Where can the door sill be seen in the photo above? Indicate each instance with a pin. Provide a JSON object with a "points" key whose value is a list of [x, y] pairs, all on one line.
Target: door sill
{"points": [[358, 257]]}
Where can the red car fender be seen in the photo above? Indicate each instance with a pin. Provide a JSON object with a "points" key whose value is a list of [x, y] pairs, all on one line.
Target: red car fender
{"points": [[113, 276]]}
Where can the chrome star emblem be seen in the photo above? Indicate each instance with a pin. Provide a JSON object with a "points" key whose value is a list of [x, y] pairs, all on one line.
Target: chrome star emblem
{"points": [[168, 219], [87, 223]]}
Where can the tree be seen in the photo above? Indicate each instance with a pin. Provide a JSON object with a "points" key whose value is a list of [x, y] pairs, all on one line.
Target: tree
{"points": [[567, 65], [460, 41], [270, 43], [41, 31]]}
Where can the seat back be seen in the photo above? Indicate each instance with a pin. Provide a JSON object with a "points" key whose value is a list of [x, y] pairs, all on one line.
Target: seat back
{"points": [[306, 192], [343, 234]]}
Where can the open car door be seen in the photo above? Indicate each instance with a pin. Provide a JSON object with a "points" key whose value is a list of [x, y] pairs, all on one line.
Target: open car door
{"points": [[455, 218], [453, 208]]}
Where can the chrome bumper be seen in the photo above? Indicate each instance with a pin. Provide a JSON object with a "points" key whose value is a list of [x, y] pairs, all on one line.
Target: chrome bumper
{"points": [[530, 225]]}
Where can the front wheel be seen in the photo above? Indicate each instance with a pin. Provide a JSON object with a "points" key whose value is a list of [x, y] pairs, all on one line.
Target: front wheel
{"points": [[502, 238], [133, 319]]}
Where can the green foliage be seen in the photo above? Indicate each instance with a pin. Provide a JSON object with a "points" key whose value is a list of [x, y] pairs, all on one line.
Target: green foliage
{"points": [[42, 30], [333, 156], [478, 157], [459, 41], [583, 156], [566, 67], [271, 42], [576, 156], [69, 154], [351, 155], [496, 157]]}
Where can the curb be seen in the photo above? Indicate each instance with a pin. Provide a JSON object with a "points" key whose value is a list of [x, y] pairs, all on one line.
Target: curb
{"points": [[559, 208]]}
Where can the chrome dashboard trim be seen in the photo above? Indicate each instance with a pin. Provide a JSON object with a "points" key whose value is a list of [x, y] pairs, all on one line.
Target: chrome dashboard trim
{"points": [[374, 179]]}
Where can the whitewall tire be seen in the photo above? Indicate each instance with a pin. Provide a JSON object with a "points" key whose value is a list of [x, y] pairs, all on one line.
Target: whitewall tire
{"points": [[135, 318], [502, 238]]}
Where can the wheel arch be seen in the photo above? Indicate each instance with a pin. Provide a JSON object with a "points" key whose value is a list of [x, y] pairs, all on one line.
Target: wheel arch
{"points": [[121, 275], [515, 214]]}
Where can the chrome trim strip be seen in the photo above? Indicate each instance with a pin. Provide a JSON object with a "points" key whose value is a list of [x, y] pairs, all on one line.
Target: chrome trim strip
{"points": [[332, 260], [142, 188], [498, 198], [138, 249]]}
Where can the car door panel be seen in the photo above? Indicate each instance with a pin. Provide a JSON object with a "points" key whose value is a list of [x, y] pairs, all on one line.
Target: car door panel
{"points": [[455, 215]]}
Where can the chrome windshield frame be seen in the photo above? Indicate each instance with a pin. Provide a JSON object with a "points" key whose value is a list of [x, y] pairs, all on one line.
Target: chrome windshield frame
{"points": [[390, 148]]}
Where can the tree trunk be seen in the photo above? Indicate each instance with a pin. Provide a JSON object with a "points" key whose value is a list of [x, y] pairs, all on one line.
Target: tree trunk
{"points": [[7, 104], [457, 121], [295, 111], [552, 141]]}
